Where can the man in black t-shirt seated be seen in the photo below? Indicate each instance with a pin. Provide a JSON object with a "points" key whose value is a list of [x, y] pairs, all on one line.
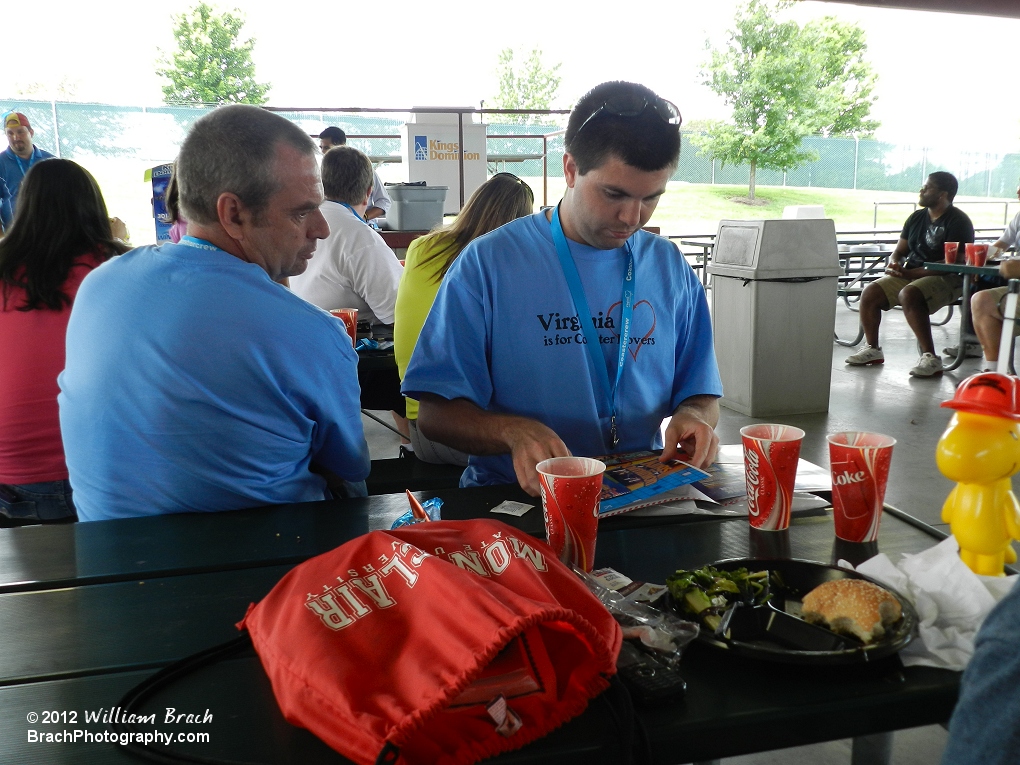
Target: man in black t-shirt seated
{"points": [[908, 284]]}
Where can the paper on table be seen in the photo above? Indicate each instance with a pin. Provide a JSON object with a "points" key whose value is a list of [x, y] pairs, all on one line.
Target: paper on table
{"points": [[508, 507], [801, 501], [951, 602]]}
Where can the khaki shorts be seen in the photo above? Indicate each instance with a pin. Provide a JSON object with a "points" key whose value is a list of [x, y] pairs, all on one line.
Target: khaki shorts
{"points": [[1000, 294], [938, 291]]}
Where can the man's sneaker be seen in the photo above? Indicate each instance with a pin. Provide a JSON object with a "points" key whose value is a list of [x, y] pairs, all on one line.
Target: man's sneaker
{"points": [[929, 365], [866, 356], [972, 351]]}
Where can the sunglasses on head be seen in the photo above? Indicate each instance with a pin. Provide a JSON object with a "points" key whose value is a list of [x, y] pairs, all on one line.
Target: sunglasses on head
{"points": [[634, 105], [516, 179]]}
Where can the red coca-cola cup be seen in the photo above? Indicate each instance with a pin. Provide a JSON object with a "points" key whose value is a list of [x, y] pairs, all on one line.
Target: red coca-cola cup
{"points": [[570, 503], [860, 471], [770, 471], [951, 251], [349, 316], [976, 254]]}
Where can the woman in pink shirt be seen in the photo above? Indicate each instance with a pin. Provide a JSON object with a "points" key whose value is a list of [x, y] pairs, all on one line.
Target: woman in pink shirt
{"points": [[60, 232]]}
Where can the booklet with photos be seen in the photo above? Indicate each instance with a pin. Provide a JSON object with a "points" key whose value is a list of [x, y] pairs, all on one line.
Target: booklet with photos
{"points": [[639, 479]]}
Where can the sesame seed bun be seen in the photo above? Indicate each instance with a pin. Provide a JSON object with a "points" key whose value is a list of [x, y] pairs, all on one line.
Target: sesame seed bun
{"points": [[852, 606]]}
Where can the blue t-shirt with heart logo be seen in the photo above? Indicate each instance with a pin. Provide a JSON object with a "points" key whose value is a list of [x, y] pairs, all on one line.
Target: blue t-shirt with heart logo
{"points": [[504, 334]]}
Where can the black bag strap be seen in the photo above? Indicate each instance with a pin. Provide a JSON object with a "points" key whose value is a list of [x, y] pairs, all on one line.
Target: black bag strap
{"points": [[133, 699]]}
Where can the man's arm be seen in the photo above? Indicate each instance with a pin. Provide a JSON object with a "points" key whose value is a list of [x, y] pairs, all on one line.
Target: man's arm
{"points": [[378, 200], [462, 425], [691, 431]]}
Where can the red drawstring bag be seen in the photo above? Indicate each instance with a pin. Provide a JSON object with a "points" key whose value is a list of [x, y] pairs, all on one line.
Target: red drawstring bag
{"points": [[443, 642]]}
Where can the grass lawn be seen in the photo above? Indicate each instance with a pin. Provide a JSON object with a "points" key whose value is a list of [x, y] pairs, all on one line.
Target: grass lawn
{"points": [[689, 209], [685, 209]]}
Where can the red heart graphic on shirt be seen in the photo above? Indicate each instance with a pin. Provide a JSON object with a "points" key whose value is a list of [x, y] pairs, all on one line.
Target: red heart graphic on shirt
{"points": [[639, 345]]}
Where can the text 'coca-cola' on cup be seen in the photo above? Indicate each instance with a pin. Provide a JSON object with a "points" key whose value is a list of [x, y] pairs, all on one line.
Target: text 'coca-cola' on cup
{"points": [[570, 503], [976, 254], [951, 250], [860, 471], [771, 453]]}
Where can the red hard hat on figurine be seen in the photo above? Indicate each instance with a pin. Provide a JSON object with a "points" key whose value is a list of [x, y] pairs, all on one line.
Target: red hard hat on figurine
{"points": [[988, 393]]}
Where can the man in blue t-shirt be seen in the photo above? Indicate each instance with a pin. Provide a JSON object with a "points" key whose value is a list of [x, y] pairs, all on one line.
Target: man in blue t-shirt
{"points": [[194, 380], [15, 161], [572, 331]]}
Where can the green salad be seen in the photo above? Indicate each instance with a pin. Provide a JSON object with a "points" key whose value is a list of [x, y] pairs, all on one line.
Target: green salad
{"points": [[706, 593]]}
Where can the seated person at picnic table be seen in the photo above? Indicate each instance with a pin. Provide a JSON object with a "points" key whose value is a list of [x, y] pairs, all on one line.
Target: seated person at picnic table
{"points": [[60, 232], [572, 330], [986, 306], [379, 201], [354, 268], [986, 314], [499, 200], [194, 382], [908, 284]]}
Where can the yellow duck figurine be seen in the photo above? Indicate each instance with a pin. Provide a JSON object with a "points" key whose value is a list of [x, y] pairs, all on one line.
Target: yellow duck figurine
{"points": [[981, 450]]}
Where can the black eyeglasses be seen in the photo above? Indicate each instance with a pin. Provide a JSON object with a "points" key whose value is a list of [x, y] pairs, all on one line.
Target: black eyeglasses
{"points": [[634, 105], [516, 179]]}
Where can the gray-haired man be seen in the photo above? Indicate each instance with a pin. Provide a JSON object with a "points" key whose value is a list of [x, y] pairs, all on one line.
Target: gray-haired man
{"points": [[195, 382]]}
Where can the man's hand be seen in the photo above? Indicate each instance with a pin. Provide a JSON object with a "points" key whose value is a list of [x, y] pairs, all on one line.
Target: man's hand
{"points": [[1009, 269], [898, 270], [530, 443], [895, 269], [690, 434], [462, 425]]}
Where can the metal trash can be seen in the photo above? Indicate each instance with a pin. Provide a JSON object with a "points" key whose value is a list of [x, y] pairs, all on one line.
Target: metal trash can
{"points": [[773, 314], [415, 207]]}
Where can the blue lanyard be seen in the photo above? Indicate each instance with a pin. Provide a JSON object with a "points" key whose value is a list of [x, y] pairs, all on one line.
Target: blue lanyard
{"points": [[591, 337], [21, 165], [353, 211]]}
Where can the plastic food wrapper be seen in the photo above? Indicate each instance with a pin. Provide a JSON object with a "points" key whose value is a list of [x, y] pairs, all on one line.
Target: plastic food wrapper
{"points": [[366, 344], [951, 601], [660, 632], [432, 506]]}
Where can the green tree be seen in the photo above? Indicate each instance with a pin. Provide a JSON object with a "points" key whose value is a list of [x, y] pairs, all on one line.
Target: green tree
{"points": [[525, 82], [211, 64], [784, 83], [846, 80]]}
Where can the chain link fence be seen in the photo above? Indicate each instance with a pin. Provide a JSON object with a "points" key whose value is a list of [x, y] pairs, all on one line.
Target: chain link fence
{"points": [[117, 144]]}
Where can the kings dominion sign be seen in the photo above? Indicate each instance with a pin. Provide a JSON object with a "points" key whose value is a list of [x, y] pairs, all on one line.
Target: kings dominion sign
{"points": [[449, 150]]}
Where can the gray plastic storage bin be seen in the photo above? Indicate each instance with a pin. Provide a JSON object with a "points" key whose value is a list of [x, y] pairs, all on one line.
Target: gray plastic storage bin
{"points": [[415, 208]]}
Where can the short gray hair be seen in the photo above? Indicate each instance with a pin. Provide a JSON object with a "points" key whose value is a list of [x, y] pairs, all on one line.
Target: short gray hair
{"points": [[231, 150], [346, 175]]}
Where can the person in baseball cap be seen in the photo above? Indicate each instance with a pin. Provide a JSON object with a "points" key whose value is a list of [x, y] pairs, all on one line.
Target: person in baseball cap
{"points": [[15, 161]]}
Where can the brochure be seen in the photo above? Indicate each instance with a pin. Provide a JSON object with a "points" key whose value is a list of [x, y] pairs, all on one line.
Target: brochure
{"points": [[638, 479]]}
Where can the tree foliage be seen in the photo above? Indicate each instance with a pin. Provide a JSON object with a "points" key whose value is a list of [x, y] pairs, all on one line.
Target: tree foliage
{"points": [[783, 83], [211, 64], [525, 82]]}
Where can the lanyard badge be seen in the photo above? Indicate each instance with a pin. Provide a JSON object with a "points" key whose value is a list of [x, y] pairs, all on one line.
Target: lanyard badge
{"points": [[584, 314]]}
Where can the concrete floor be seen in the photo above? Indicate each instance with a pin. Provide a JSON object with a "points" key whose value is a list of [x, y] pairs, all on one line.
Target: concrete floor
{"points": [[881, 398]]}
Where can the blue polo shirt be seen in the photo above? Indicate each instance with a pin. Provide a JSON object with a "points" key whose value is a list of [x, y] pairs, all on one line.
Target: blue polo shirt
{"points": [[12, 172]]}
